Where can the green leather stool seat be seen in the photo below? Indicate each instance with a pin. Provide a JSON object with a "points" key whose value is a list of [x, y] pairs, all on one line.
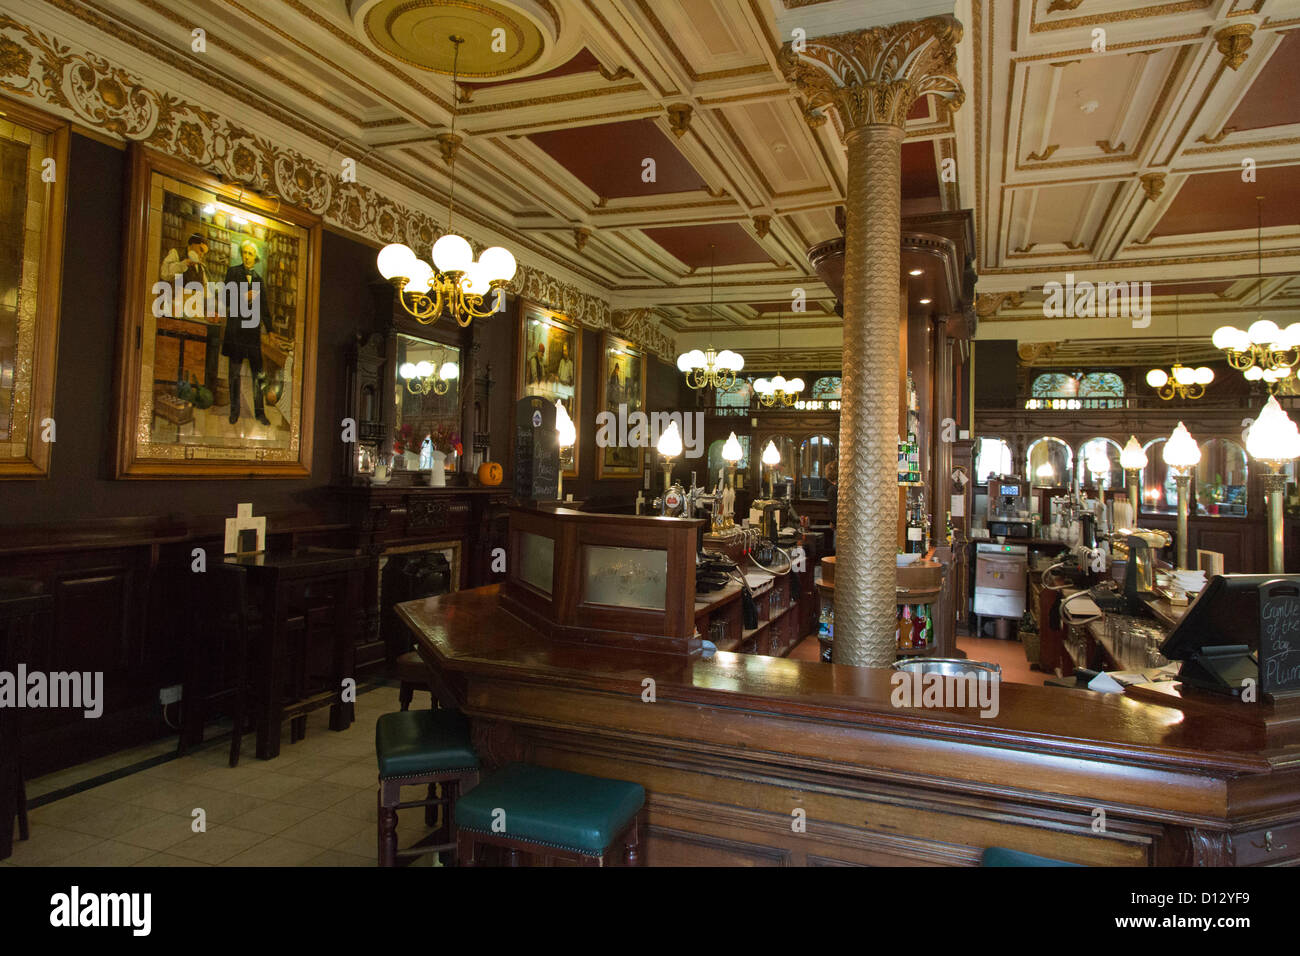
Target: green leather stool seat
{"points": [[413, 742], [1000, 856], [570, 811]]}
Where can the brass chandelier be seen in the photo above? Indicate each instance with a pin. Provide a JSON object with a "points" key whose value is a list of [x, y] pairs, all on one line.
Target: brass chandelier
{"points": [[778, 390], [708, 368], [1180, 380], [459, 283], [423, 378], [1262, 352]]}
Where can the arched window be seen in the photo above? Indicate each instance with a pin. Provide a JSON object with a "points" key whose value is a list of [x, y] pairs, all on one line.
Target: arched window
{"points": [[816, 453], [1112, 478], [992, 457], [1221, 478], [1062, 390], [827, 387], [1159, 490], [717, 462]]}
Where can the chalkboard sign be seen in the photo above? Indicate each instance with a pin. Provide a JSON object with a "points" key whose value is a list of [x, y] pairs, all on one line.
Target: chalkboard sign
{"points": [[537, 450], [1279, 637]]}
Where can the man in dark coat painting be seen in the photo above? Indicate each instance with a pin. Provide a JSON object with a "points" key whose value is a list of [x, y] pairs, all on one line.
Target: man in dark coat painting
{"points": [[537, 365], [243, 338]]}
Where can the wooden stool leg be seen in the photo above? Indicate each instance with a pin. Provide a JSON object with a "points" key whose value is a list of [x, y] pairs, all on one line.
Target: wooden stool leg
{"points": [[406, 695], [465, 847], [387, 830], [430, 812], [632, 845]]}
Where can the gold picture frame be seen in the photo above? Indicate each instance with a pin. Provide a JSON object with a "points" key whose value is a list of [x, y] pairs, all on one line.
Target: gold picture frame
{"points": [[182, 326], [622, 382], [33, 208], [552, 373]]}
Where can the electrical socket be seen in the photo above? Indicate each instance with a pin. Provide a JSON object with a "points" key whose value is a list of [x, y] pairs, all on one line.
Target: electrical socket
{"points": [[169, 695]]}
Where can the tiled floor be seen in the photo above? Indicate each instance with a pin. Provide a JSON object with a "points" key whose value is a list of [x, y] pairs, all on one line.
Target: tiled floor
{"points": [[314, 805]]}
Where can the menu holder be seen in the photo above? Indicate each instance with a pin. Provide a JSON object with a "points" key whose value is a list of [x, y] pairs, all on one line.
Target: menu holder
{"points": [[1279, 639]]}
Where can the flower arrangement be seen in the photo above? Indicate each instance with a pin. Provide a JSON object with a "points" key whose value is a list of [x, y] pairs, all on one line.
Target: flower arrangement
{"points": [[403, 437], [446, 439]]}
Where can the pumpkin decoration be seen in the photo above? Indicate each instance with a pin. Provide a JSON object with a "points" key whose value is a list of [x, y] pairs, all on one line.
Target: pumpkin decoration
{"points": [[490, 474]]}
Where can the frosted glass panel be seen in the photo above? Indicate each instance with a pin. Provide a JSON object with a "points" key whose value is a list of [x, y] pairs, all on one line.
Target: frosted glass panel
{"points": [[536, 560], [624, 577]]}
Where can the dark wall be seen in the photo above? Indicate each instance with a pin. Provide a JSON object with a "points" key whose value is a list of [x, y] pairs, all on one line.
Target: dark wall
{"points": [[81, 485]]}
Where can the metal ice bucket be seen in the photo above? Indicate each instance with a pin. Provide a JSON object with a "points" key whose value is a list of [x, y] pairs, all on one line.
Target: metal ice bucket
{"points": [[947, 666]]}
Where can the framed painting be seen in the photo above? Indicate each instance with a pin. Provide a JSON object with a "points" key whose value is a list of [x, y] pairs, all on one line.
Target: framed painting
{"points": [[549, 366], [33, 173], [217, 340], [622, 387]]}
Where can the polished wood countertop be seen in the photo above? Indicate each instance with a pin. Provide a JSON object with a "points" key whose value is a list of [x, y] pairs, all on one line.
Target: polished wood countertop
{"points": [[468, 633]]}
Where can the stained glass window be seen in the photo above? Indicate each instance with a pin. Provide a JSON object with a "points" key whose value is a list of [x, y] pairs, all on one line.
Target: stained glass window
{"points": [[827, 387]]}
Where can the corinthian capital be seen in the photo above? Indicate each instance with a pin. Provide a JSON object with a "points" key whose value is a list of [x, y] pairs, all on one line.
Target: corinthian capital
{"points": [[874, 76]]}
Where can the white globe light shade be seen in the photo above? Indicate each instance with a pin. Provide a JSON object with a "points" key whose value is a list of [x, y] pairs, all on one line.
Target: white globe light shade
{"points": [[407, 370], [771, 456], [1253, 374], [794, 385], [762, 386], [698, 358], [1291, 335], [421, 276], [564, 426], [395, 261], [728, 359], [1225, 337], [451, 253], [1204, 375], [778, 383], [1045, 470], [475, 281], [499, 263], [1184, 375], [670, 442], [1133, 457], [731, 450], [1264, 332], [1273, 436], [1181, 450], [1099, 460], [423, 369], [449, 372], [684, 362], [1157, 378], [1274, 374]]}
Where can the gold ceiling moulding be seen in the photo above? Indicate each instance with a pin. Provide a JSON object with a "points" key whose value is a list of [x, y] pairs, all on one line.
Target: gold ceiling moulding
{"points": [[1058, 5], [1105, 147], [1153, 184], [449, 145], [1032, 353], [1046, 154], [1233, 42], [873, 76], [1212, 140], [1027, 247], [622, 73], [580, 237], [403, 28], [679, 118], [989, 304], [762, 226]]}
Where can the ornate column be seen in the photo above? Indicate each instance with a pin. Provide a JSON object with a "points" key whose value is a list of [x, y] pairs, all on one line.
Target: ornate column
{"points": [[871, 78]]}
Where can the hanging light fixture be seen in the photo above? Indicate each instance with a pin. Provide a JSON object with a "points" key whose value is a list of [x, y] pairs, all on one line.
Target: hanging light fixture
{"points": [[460, 284], [708, 368], [778, 390], [424, 377], [1262, 352], [1180, 380]]}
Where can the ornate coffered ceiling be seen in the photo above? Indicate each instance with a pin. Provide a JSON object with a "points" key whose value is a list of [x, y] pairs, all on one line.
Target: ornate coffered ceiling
{"points": [[1126, 164], [1122, 164]]}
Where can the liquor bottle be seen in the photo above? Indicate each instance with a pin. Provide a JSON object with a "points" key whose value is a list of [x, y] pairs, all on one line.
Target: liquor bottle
{"points": [[918, 627], [905, 630], [928, 637]]}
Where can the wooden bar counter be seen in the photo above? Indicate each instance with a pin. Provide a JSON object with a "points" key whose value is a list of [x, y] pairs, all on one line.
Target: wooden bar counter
{"points": [[733, 748]]}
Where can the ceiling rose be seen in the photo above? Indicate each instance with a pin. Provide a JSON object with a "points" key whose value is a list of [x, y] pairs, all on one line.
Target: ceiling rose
{"points": [[501, 38]]}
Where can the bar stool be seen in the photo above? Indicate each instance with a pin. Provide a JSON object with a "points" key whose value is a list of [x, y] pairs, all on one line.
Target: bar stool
{"points": [[551, 813], [416, 747], [413, 673]]}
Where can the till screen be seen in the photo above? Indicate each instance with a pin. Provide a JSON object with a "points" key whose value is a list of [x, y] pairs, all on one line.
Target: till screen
{"points": [[1012, 490]]}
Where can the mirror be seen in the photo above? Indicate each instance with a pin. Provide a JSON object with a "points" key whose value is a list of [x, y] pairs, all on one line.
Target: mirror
{"points": [[427, 404], [1221, 478], [814, 455], [782, 472], [1110, 480], [1049, 461], [1159, 490]]}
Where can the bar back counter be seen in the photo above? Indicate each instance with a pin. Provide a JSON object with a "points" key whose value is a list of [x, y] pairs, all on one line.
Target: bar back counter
{"points": [[751, 760]]}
